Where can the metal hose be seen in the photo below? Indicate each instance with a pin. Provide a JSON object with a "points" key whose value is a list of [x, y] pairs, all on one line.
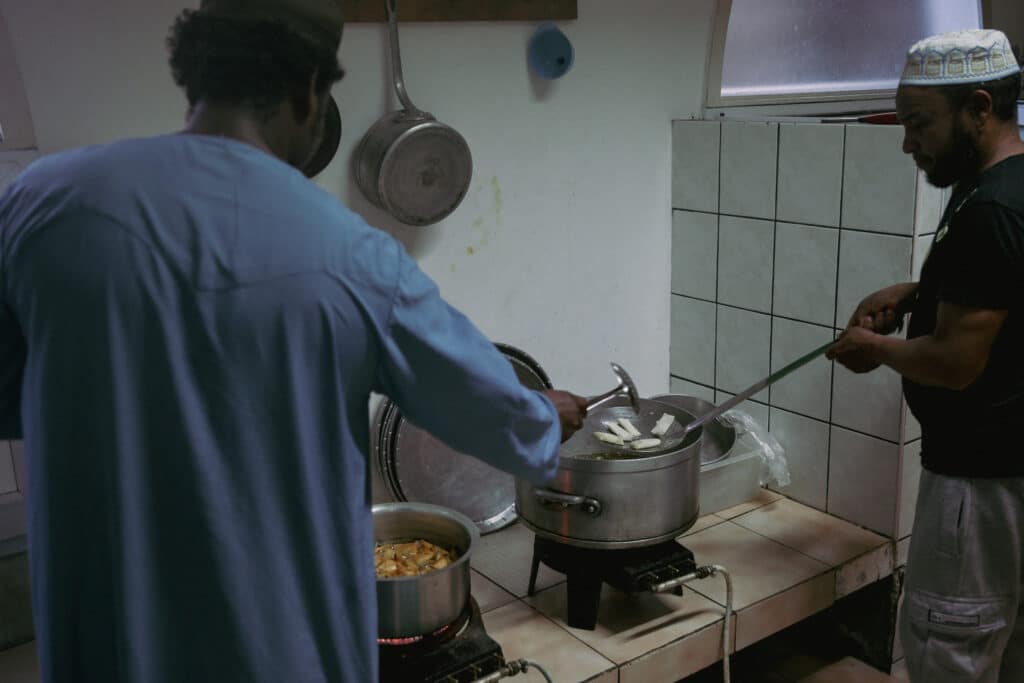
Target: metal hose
{"points": [[719, 569], [703, 573]]}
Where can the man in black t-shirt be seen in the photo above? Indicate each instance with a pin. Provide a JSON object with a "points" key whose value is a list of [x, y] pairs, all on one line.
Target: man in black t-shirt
{"points": [[962, 362]]}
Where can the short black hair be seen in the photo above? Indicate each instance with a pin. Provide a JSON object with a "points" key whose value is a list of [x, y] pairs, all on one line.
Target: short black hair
{"points": [[1003, 91], [256, 63]]}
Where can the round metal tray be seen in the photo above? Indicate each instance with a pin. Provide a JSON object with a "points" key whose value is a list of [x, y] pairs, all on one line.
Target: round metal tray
{"points": [[417, 467]]}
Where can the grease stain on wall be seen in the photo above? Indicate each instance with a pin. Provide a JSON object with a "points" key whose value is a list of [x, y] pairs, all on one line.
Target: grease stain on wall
{"points": [[492, 217]]}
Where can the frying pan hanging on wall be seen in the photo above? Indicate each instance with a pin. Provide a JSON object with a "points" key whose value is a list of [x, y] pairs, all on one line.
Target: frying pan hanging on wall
{"points": [[409, 163], [329, 145]]}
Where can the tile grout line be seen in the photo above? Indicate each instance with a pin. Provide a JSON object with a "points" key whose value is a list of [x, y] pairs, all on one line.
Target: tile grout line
{"points": [[754, 310], [866, 231], [775, 247], [835, 323], [827, 563], [828, 423], [737, 612], [718, 258], [565, 629], [700, 384]]}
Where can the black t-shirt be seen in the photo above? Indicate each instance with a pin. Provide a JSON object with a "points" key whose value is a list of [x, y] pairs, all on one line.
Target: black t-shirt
{"points": [[977, 259]]}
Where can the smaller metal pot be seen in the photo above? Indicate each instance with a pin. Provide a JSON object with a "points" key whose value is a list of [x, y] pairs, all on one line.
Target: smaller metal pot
{"points": [[420, 605], [409, 163]]}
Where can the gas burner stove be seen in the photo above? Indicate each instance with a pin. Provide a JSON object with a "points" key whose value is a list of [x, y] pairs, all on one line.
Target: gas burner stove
{"points": [[631, 570], [458, 653]]}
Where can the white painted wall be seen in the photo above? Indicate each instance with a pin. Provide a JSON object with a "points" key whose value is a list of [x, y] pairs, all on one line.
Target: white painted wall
{"points": [[562, 245]]}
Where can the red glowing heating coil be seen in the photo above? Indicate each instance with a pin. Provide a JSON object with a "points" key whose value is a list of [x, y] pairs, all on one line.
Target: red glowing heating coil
{"points": [[436, 635]]}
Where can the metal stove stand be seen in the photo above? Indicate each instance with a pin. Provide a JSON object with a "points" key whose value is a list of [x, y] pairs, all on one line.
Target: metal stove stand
{"points": [[631, 570]]}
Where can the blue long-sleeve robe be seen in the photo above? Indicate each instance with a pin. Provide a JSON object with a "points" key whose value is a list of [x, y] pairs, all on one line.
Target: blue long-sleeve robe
{"points": [[189, 331]]}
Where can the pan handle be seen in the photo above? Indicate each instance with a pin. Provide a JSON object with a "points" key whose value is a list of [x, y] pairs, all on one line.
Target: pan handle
{"points": [[396, 58], [756, 387], [591, 506], [595, 401]]}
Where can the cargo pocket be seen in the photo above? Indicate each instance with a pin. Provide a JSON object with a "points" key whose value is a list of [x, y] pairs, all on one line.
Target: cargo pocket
{"points": [[955, 639]]}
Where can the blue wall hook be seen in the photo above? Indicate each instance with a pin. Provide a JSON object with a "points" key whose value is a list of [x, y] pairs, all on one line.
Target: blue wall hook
{"points": [[549, 52]]}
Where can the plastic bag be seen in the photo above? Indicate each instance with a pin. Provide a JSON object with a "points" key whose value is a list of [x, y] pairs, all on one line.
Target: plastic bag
{"points": [[774, 468]]}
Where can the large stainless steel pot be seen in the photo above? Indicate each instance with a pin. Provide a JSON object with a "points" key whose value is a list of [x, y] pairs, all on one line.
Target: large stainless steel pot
{"points": [[602, 498], [409, 163], [420, 605]]}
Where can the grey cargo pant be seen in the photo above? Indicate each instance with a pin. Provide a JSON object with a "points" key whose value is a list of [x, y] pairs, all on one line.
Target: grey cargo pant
{"points": [[961, 620]]}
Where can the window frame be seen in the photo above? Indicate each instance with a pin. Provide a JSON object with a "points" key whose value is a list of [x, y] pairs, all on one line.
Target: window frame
{"points": [[781, 104]]}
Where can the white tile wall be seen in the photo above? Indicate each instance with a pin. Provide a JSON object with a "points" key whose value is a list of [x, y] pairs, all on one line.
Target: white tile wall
{"points": [[863, 480], [745, 262], [869, 402], [806, 449], [755, 409], [806, 260], [808, 389], [8, 482], [686, 388], [743, 350], [867, 263], [692, 341], [748, 170], [694, 253], [810, 173], [879, 180], [785, 191], [910, 477], [695, 151]]}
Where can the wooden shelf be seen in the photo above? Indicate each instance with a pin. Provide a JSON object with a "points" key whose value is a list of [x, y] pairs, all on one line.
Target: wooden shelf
{"points": [[358, 11]]}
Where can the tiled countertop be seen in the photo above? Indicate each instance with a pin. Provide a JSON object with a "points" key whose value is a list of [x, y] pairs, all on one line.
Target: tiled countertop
{"points": [[787, 562]]}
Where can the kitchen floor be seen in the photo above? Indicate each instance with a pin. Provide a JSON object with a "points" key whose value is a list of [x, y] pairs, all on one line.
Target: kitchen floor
{"points": [[788, 562]]}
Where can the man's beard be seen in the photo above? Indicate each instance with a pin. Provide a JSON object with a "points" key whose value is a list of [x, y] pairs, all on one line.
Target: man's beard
{"points": [[959, 161]]}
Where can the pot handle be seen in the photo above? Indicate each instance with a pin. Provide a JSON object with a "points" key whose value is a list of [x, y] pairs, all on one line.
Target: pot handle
{"points": [[396, 58], [591, 506]]}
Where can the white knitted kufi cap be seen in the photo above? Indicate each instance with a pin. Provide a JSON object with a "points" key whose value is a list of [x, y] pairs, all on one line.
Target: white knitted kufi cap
{"points": [[959, 57]]}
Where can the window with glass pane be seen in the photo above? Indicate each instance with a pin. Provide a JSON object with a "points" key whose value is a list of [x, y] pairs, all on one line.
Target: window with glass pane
{"points": [[776, 48]]}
